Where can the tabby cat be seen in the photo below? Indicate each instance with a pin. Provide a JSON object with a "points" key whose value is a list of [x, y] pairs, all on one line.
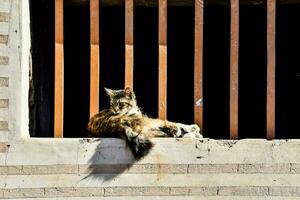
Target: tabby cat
{"points": [[124, 119]]}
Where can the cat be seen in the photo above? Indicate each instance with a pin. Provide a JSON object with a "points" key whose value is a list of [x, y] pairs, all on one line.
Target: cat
{"points": [[124, 119]]}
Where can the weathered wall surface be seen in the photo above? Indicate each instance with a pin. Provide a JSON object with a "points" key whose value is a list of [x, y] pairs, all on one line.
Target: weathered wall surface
{"points": [[33, 168], [207, 169], [14, 71]]}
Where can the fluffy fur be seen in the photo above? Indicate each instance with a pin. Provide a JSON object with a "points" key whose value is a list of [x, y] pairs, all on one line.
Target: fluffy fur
{"points": [[124, 119]]}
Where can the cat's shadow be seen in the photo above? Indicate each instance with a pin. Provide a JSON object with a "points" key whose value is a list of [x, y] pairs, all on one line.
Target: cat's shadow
{"points": [[107, 157]]}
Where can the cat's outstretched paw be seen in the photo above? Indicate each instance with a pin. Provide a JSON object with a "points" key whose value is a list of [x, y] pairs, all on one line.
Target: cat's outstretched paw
{"points": [[193, 132], [194, 128]]}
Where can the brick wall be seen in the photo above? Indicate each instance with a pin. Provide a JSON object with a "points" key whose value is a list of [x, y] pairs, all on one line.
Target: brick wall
{"points": [[4, 72]]}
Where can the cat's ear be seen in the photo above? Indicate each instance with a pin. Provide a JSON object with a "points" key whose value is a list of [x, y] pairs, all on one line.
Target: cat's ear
{"points": [[129, 93], [109, 92]]}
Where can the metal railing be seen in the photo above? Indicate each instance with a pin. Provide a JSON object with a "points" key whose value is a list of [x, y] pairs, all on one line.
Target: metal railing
{"points": [[95, 8]]}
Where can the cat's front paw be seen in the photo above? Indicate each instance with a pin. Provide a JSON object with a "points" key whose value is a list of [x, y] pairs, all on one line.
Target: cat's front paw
{"points": [[194, 128]]}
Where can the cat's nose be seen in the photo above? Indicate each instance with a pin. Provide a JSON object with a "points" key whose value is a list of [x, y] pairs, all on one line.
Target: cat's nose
{"points": [[115, 110]]}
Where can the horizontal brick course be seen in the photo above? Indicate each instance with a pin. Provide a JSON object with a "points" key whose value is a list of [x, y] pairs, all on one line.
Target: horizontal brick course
{"points": [[234, 191], [286, 168]]}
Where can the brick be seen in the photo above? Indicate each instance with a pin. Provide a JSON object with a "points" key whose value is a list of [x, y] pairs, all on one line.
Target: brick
{"points": [[4, 103], [3, 125], [4, 16], [159, 168], [23, 192], [212, 168], [4, 81], [15, 170], [281, 168], [179, 190], [4, 60], [74, 192], [136, 191], [243, 191], [3, 39], [295, 168], [3, 147], [202, 191], [3, 170], [50, 169], [284, 191], [103, 168]]}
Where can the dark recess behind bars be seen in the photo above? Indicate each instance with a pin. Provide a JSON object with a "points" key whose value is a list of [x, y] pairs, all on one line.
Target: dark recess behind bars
{"points": [[252, 62]]}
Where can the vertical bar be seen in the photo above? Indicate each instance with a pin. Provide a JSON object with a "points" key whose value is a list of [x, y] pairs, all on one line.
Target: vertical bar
{"points": [[162, 59], [129, 7], [94, 59], [234, 59], [198, 64], [59, 70], [271, 24]]}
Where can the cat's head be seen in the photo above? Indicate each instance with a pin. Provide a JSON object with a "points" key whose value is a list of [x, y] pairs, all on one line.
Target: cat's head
{"points": [[122, 101]]}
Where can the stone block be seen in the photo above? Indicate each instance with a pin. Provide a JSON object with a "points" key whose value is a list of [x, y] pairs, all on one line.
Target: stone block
{"points": [[243, 191], [275, 168], [74, 192], [50, 169], [285, 191], [23, 192], [212, 168], [136, 191]]}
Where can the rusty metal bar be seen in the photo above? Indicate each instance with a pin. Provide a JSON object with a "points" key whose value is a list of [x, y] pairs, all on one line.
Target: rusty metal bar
{"points": [[162, 59], [59, 69], [271, 24], [153, 3], [234, 60], [129, 9], [94, 59], [198, 63]]}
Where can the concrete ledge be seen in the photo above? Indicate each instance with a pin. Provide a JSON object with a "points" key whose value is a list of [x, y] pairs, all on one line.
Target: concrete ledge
{"points": [[183, 156]]}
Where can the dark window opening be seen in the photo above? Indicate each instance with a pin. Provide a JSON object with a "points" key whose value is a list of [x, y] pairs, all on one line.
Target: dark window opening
{"points": [[216, 61]]}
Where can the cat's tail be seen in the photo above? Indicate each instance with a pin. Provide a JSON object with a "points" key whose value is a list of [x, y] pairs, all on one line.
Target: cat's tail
{"points": [[140, 146]]}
